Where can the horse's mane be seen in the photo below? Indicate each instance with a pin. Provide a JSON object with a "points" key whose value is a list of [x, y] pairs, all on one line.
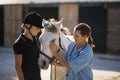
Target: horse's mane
{"points": [[65, 30]]}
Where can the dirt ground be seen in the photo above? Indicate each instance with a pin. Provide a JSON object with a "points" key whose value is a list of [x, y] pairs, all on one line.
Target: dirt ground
{"points": [[104, 66]]}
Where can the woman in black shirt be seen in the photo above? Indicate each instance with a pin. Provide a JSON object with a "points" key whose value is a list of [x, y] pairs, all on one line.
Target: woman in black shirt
{"points": [[26, 49]]}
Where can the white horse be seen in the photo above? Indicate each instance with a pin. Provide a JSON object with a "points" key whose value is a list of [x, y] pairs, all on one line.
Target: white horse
{"points": [[53, 31]]}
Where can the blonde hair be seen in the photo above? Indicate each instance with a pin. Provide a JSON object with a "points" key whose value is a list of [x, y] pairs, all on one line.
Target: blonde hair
{"points": [[25, 26]]}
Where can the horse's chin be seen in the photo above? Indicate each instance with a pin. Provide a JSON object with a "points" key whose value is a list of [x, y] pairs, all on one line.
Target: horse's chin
{"points": [[44, 67]]}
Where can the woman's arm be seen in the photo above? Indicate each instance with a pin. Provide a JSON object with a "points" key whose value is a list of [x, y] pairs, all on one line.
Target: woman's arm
{"points": [[63, 62], [18, 62]]}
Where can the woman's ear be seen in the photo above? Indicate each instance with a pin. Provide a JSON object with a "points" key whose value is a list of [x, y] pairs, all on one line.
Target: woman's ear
{"points": [[86, 38]]}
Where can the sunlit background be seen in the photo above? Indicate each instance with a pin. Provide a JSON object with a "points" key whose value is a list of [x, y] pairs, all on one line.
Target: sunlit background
{"points": [[102, 15]]}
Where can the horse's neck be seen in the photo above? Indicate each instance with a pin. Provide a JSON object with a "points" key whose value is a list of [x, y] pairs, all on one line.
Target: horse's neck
{"points": [[64, 41]]}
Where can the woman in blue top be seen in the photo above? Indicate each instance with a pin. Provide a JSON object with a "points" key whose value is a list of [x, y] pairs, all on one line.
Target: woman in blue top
{"points": [[79, 54]]}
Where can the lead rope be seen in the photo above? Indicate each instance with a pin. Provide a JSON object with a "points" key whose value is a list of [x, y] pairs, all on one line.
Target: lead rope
{"points": [[56, 62], [55, 72], [51, 73], [48, 58]]}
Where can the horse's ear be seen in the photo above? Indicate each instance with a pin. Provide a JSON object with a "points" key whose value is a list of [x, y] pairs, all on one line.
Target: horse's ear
{"points": [[59, 23], [44, 22]]}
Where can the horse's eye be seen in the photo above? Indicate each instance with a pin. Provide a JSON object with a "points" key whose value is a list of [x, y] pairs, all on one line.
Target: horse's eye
{"points": [[46, 24], [53, 40]]}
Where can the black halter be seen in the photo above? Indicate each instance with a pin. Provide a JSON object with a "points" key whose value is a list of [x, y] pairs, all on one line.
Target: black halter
{"points": [[40, 52], [38, 44], [60, 44]]}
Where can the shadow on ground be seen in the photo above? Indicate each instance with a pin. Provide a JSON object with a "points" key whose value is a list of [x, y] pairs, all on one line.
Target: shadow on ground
{"points": [[104, 66]]}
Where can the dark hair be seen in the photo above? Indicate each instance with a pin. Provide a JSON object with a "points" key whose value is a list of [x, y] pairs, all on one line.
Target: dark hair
{"points": [[85, 29]]}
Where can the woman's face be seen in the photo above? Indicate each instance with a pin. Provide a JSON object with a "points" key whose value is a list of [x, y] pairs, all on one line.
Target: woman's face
{"points": [[78, 37], [34, 30]]}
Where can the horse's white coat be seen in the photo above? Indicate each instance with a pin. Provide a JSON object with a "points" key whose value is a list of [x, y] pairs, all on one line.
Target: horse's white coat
{"points": [[45, 39]]}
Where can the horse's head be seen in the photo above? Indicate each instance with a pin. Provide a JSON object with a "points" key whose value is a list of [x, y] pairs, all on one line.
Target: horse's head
{"points": [[50, 33]]}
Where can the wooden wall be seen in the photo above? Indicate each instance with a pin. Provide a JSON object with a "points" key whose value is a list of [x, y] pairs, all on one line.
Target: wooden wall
{"points": [[12, 22], [113, 35], [69, 12]]}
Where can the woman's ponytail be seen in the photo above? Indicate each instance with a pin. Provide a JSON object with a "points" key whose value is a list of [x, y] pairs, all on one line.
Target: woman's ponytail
{"points": [[90, 41]]}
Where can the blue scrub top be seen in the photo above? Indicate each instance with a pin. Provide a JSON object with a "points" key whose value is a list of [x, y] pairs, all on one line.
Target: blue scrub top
{"points": [[79, 60]]}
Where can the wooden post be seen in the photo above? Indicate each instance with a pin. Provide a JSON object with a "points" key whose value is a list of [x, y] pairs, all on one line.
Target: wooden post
{"points": [[12, 22], [69, 12], [113, 36]]}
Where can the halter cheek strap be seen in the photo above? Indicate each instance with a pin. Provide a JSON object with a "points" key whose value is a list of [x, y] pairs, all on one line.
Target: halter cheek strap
{"points": [[29, 29], [60, 43]]}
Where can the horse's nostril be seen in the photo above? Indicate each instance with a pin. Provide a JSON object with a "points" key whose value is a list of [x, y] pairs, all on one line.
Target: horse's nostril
{"points": [[44, 63], [53, 40]]}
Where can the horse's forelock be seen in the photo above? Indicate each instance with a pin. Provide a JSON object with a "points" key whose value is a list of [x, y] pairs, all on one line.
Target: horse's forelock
{"points": [[52, 28], [52, 20]]}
